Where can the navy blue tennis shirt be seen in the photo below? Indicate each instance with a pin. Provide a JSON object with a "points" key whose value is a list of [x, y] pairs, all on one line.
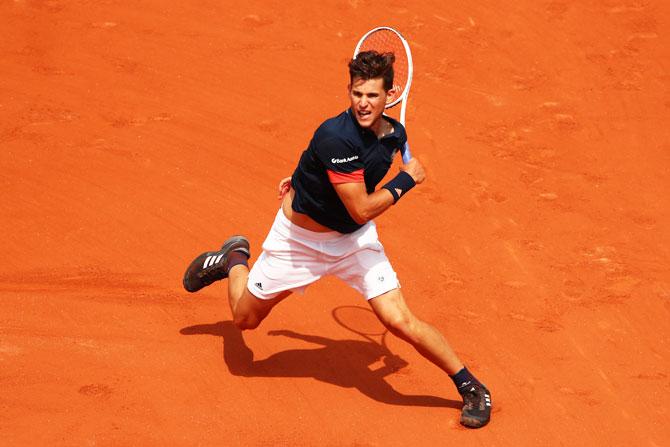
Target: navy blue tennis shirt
{"points": [[341, 151]]}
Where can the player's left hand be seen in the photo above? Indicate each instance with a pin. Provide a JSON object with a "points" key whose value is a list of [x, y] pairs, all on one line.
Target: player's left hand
{"points": [[284, 187]]}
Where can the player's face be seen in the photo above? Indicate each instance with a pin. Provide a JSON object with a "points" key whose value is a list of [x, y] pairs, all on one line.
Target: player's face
{"points": [[368, 99]]}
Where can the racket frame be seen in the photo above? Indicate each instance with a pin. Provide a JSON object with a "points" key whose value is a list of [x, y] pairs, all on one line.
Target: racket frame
{"points": [[406, 155]]}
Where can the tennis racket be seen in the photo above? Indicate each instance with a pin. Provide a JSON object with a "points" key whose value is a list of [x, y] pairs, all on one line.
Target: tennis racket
{"points": [[384, 39]]}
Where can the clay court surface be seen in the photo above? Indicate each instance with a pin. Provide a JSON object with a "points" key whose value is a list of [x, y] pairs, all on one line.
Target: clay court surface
{"points": [[135, 135]]}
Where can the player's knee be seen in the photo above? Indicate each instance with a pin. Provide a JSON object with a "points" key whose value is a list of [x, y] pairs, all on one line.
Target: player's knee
{"points": [[246, 322], [400, 325]]}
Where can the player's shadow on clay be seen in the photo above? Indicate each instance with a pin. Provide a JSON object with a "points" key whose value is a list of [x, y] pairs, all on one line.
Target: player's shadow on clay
{"points": [[345, 363]]}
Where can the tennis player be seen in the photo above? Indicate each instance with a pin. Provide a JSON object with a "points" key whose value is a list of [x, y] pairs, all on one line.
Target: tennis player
{"points": [[325, 227]]}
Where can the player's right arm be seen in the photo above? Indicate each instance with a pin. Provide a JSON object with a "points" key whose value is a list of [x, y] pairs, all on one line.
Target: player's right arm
{"points": [[284, 187]]}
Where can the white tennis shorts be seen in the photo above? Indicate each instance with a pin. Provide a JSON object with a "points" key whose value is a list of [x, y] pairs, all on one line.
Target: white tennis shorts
{"points": [[294, 257]]}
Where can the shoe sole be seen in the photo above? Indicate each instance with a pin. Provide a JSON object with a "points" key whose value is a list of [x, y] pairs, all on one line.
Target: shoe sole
{"points": [[471, 422]]}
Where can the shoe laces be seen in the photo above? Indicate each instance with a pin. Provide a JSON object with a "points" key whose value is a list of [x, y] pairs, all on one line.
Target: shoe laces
{"points": [[474, 396], [214, 271]]}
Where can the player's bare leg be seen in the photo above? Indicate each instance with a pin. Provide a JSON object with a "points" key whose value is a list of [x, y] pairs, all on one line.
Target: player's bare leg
{"points": [[248, 311], [231, 262], [393, 312]]}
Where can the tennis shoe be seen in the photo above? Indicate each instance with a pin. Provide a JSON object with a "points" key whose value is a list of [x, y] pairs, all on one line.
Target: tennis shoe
{"points": [[476, 411], [213, 265]]}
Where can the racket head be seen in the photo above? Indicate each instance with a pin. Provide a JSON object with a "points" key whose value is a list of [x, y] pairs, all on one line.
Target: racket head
{"points": [[384, 39]]}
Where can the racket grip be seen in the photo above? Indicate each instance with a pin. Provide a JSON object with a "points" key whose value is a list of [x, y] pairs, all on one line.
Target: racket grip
{"points": [[406, 154]]}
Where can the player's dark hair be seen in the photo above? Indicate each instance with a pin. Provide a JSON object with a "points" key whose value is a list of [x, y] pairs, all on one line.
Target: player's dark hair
{"points": [[371, 65]]}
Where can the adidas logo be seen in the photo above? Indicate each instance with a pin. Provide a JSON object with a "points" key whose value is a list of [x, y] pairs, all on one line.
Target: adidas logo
{"points": [[398, 190], [259, 285], [488, 399], [211, 260]]}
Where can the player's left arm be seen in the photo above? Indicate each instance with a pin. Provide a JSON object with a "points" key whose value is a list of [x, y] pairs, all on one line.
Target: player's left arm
{"points": [[363, 207]]}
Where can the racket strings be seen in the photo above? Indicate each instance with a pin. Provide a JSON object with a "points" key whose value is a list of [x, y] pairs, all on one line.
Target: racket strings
{"points": [[386, 41]]}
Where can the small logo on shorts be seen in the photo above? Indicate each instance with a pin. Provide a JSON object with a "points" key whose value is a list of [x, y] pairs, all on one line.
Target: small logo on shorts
{"points": [[380, 278], [259, 285]]}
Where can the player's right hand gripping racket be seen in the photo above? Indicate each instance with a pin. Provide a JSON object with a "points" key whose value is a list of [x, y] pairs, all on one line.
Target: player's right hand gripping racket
{"points": [[387, 40]]}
